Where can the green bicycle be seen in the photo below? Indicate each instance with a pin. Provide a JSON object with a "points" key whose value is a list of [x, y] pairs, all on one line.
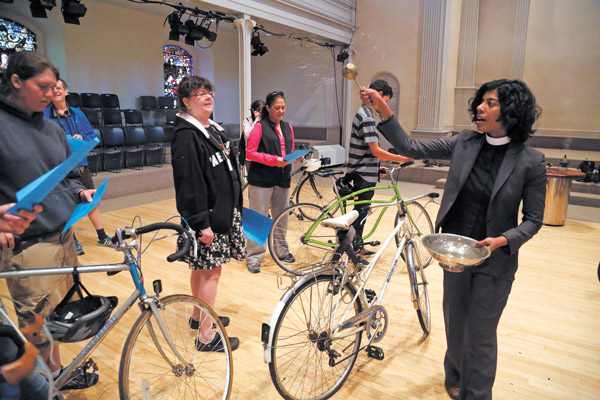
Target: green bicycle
{"points": [[298, 230]]}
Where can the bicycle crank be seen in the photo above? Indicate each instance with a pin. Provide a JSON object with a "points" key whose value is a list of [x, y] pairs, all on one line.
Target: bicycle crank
{"points": [[377, 325]]}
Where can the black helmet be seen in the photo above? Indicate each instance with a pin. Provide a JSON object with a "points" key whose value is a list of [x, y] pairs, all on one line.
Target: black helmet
{"points": [[344, 185], [78, 320]]}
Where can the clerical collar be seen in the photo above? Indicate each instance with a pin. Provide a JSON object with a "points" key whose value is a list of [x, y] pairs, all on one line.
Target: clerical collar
{"points": [[497, 141]]}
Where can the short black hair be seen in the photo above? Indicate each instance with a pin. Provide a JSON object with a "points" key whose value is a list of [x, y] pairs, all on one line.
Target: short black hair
{"points": [[26, 65], [190, 84], [382, 86], [518, 108]]}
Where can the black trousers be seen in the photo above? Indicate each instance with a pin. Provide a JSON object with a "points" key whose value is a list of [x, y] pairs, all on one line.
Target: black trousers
{"points": [[363, 210], [473, 304]]}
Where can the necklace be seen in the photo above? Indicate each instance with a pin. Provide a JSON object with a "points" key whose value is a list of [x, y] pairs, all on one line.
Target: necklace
{"points": [[215, 135]]}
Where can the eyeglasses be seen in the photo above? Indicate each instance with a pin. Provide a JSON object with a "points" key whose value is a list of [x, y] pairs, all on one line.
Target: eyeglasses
{"points": [[275, 93], [204, 94]]}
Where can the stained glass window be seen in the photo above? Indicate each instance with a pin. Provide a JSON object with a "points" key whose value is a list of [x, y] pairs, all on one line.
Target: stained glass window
{"points": [[177, 63], [15, 37]]}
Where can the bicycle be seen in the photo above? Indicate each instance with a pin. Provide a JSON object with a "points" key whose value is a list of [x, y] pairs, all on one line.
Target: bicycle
{"points": [[309, 186], [312, 243], [160, 358], [314, 335]]}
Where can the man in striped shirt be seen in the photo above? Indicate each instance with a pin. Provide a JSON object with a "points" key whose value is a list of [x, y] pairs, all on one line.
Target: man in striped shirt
{"points": [[364, 157]]}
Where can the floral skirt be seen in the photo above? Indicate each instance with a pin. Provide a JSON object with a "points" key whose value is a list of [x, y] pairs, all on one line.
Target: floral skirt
{"points": [[223, 247]]}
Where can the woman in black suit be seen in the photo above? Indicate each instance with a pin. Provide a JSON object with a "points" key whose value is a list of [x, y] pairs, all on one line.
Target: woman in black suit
{"points": [[492, 170]]}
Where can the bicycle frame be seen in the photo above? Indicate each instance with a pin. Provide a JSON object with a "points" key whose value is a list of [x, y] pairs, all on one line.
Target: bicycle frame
{"points": [[139, 293]]}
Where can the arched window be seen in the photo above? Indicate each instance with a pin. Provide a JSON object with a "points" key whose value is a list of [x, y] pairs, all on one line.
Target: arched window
{"points": [[177, 63], [394, 103], [15, 37]]}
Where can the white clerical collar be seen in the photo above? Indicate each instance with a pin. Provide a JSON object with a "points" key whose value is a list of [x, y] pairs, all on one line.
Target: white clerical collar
{"points": [[497, 141]]}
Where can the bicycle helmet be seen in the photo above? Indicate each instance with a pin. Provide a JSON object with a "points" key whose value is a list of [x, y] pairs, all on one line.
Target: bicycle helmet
{"points": [[311, 164], [78, 320]]}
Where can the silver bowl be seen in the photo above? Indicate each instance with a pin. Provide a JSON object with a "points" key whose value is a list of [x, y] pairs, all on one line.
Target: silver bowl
{"points": [[454, 252]]}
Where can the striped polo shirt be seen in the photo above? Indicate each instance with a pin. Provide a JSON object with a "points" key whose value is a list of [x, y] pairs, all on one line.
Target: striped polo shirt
{"points": [[360, 158]]}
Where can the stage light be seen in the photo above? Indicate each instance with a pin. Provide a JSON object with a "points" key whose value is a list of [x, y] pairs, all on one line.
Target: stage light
{"points": [[343, 56], [38, 7], [258, 47], [177, 27], [72, 10], [194, 33]]}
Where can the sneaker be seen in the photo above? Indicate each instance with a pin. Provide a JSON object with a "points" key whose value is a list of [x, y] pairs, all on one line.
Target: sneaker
{"points": [[365, 252], [105, 242], [253, 267], [289, 258], [78, 248], [195, 324], [81, 381], [217, 344]]}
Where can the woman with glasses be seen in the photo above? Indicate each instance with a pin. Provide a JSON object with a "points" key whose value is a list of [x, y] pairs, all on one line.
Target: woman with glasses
{"points": [[208, 196], [269, 175]]}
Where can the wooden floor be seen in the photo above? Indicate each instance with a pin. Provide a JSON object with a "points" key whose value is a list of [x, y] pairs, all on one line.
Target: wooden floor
{"points": [[549, 335]]}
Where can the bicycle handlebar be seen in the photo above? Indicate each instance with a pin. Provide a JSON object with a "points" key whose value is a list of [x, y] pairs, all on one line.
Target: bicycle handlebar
{"points": [[185, 248]]}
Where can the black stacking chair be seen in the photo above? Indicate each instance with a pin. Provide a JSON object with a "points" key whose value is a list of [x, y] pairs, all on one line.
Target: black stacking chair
{"points": [[74, 100], [92, 117], [112, 117], [91, 101], [94, 157], [133, 117], [110, 101], [135, 142], [156, 145], [149, 105], [167, 103], [113, 141]]}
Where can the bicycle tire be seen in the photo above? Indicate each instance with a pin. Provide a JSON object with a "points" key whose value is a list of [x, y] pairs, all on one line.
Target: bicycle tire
{"points": [[418, 287], [299, 365], [288, 232], [421, 219], [143, 370], [313, 189]]}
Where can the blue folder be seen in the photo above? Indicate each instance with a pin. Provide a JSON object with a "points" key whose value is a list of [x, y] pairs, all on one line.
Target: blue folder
{"points": [[295, 155], [84, 209], [256, 226], [35, 192]]}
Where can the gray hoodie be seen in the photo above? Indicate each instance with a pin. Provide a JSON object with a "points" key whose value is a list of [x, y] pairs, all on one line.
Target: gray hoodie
{"points": [[30, 147]]}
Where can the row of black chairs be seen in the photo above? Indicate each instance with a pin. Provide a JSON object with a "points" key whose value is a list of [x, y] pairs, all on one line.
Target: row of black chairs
{"points": [[129, 147], [96, 101]]}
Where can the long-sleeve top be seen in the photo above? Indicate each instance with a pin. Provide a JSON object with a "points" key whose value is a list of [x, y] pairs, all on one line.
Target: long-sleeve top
{"points": [[30, 146], [74, 122]]}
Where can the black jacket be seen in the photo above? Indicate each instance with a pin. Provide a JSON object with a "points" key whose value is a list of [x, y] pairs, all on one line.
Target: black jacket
{"points": [[204, 183], [262, 175]]}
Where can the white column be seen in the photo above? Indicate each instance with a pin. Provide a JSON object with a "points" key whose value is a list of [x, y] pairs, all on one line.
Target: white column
{"points": [[245, 27], [520, 39], [467, 59], [434, 65]]}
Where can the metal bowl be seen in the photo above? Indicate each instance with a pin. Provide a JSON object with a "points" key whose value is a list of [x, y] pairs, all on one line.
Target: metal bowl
{"points": [[455, 252]]}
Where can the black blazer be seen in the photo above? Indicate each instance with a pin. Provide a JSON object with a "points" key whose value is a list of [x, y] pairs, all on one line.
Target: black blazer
{"points": [[521, 178]]}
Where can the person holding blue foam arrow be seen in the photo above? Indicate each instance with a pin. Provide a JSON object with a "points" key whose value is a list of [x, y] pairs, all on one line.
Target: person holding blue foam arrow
{"points": [[30, 146]]}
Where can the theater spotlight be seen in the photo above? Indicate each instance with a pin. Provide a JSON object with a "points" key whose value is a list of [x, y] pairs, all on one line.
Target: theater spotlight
{"points": [[343, 56], [72, 10], [194, 32], [177, 27], [258, 47], [38, 7], [206, 32]]}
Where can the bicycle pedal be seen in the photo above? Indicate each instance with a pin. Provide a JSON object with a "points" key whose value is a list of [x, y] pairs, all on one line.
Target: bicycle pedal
{"points": [[374, 243], [375, 352], [370, 293]]}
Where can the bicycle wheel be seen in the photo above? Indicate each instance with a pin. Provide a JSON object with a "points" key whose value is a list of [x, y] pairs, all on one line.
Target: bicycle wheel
{"points": [[418, 287], [303, 350], [421, 225], [317, 190], [150, 369], [288, 236]]}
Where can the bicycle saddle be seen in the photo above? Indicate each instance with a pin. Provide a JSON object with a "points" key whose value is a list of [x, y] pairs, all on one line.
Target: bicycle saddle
{"points": [[341, 222], [328, 173]]}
